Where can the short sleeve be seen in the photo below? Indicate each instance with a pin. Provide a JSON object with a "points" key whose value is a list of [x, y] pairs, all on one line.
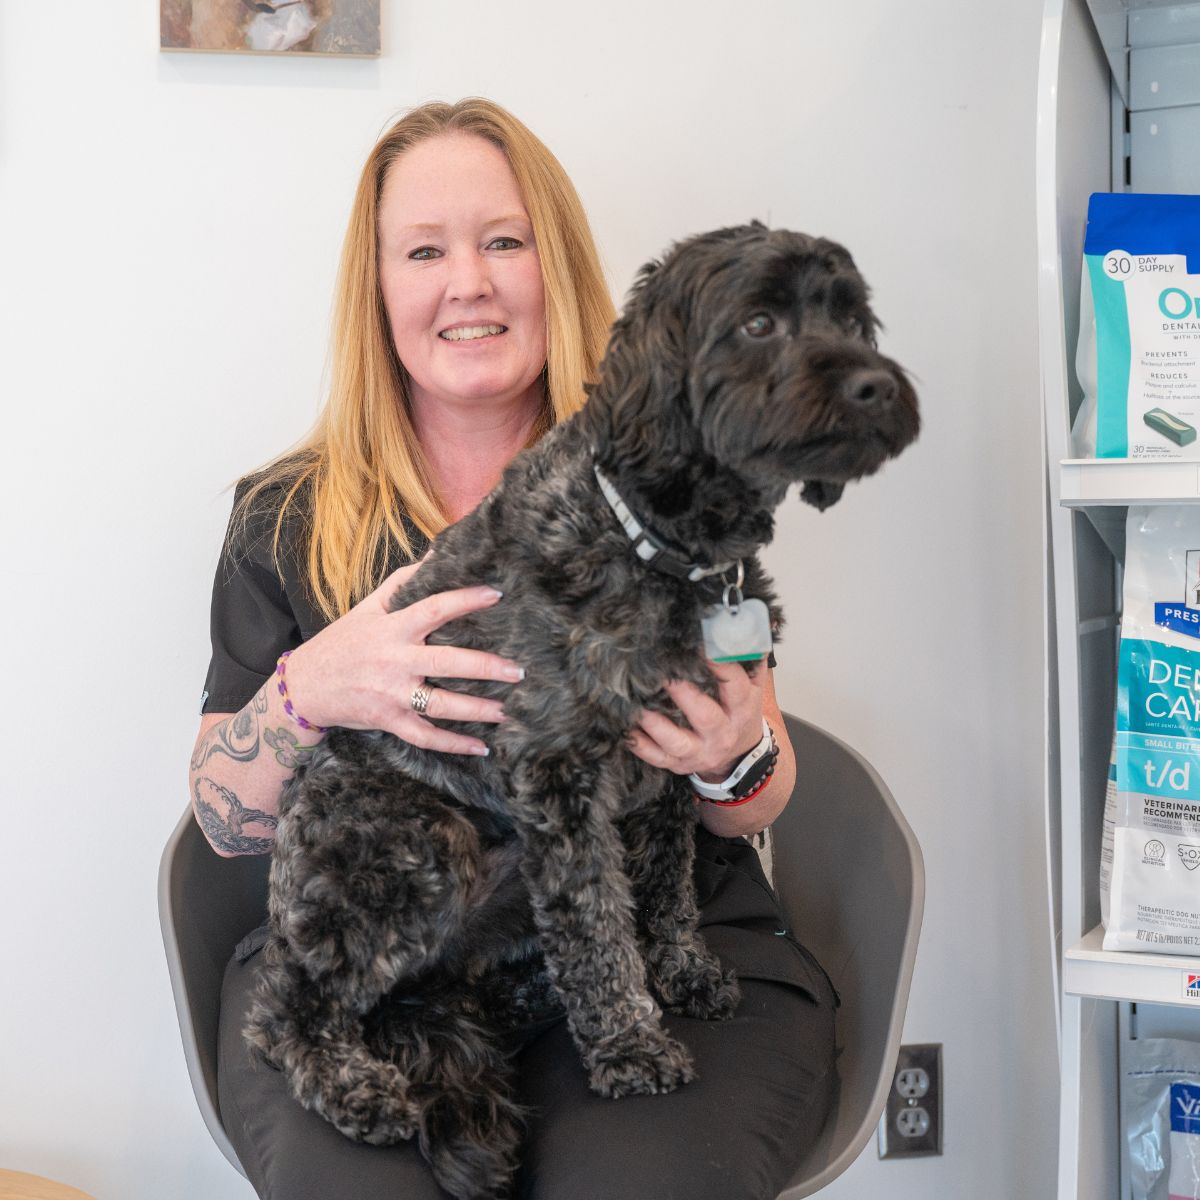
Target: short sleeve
{"points": [[252, 619]]}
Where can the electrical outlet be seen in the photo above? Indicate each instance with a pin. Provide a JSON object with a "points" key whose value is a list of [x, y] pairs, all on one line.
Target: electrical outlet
{"points": [[912, 1119]]}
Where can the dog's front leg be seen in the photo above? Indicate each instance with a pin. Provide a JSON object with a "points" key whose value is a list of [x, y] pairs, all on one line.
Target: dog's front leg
{"points": [[573, 865], [660, 851], [306, 1029]]}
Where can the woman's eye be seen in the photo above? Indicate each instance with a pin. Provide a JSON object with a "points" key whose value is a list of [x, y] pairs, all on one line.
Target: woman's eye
{"points": [[759, 325], [424, 254], [504, 243]]}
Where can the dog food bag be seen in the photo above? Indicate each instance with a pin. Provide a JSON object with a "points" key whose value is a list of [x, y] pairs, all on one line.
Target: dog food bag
{"points": [[1160, 1095], [1138, 355], [1150, 855]]}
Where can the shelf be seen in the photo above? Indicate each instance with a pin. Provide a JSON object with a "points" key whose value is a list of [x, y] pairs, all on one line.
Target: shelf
{"points": [[1100, 481], [1089, 970]]}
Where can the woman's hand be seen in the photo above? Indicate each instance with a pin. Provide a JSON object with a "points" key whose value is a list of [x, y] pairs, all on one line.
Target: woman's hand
{"points": [[360, 672], [722, 730]]}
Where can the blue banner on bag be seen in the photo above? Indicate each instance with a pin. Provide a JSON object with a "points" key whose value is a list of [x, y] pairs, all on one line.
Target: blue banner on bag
{"points": [[1185, 1108], [1178, 618]]}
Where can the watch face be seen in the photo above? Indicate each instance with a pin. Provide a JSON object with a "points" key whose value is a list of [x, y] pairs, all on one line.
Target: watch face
{"points": [[757, 773]]}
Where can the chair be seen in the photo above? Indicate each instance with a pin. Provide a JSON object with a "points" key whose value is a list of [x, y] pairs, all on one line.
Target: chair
{"points": [[849, 874], [206, 905], [847, 868]]}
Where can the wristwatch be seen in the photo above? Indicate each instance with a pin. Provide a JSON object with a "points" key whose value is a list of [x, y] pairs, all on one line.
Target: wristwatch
{"points": [[746, 779]]}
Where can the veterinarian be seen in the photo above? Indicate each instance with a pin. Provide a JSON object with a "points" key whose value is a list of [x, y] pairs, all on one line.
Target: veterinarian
{"points": [[470, 310]]}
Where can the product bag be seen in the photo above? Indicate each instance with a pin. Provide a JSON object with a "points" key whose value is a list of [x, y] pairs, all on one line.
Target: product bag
{"points": [[1150, 853], [1160, 1094], [1138, 355]]}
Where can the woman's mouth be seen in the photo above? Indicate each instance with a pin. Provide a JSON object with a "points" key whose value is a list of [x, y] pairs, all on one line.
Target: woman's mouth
{"points": [[470, 333]]}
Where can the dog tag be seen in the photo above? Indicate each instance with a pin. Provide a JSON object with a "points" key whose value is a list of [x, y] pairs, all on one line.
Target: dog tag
{"points": [[736, 633]]}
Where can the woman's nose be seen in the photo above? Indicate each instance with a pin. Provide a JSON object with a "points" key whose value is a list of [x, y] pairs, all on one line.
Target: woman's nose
{"points": [[469, 277]]}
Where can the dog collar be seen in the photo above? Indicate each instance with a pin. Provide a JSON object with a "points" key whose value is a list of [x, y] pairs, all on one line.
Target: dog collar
{"points": [[650, 549]]}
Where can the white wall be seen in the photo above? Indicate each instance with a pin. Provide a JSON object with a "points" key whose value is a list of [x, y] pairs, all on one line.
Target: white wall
{"points": [[169, 231]]}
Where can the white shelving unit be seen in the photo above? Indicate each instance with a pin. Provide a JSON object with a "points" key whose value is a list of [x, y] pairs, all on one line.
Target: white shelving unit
{"points": [[1123, 481], [1118, 110], [1091, 971]]}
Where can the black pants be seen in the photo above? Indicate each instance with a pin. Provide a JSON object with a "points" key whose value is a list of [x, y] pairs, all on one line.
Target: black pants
{"points": [[765, 1084]]}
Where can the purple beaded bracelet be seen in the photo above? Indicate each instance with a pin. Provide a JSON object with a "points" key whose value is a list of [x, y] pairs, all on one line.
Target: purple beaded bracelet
{"points": [[287, 704]]}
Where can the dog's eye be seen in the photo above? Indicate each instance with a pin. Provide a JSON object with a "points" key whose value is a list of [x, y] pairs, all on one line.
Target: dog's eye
{"points": [[759, 325]]}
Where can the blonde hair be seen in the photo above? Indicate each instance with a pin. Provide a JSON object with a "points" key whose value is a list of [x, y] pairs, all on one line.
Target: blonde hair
{"points": [[361, 465]]}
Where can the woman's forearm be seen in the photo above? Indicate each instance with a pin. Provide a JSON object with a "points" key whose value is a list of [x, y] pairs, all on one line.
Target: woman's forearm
{"points": [[238, 770], [743, 820]]}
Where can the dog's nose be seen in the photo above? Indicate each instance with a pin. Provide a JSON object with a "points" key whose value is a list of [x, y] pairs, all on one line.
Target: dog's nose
{"points": [[870, 387]]}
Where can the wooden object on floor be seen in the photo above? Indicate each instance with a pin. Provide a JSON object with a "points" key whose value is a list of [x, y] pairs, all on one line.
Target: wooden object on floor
{"points": [[16, 1185]]}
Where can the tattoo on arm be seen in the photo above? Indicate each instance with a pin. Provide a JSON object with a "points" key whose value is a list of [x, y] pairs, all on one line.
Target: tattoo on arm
{"points": [[228, 833], [288, 751], [236, 736]]}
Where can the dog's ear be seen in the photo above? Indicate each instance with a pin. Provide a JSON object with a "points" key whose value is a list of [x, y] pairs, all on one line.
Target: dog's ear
{"points": [[644, 373], [821, 494]]}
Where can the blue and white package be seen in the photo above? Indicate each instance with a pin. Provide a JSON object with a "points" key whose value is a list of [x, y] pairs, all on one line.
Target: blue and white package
{"points": [[1150, 853], [1138, 356], [1160, 1096]]}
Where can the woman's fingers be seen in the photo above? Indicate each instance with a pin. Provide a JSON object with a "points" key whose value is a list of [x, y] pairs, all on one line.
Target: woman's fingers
{"points": [[424, 616], [457, 662], [718, 730], [667, 736], [419, 732], [384, 593], [448, 661], [382, 697], [445, 705], [647, 750]]}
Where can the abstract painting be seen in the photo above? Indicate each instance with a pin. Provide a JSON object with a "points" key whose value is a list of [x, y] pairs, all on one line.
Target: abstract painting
{"points": [[349, 27]]}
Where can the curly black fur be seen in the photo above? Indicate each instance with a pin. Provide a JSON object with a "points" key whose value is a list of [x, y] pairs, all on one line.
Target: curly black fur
{"points": [[422, 903]]}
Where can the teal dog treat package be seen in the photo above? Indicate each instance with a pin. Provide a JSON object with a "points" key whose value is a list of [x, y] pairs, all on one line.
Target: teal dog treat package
{"points": [[1150, 852], [1160, 1097], [1138, 356]]}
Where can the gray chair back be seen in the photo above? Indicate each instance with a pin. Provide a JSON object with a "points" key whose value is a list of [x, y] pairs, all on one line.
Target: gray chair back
{"points": [[206, 905], [847, 868], [850, 877]]}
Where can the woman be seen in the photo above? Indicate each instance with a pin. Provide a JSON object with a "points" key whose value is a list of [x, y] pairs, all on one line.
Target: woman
{"points": [[471, 309]]}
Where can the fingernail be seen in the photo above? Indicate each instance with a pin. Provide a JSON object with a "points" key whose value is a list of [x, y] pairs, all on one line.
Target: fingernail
{"points": [[516, 674], [494, 593], [481, 751]]}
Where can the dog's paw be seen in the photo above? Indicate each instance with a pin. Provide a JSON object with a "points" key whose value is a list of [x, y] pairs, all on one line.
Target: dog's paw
{"points": [[691, 981], [371, 1104], [642, 1062]]}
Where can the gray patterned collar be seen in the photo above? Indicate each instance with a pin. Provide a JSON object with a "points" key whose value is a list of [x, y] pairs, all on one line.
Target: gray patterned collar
{"points": [[650, 549]]}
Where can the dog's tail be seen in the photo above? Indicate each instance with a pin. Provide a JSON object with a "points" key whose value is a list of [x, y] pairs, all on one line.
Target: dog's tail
{"points": [[469, 1126]]}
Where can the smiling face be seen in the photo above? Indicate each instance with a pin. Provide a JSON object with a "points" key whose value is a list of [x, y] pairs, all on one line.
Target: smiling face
{"points": [[460, 276]]}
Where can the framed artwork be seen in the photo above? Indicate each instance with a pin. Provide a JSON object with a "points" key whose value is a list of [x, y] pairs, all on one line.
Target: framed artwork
{"points": [[346, 27]]}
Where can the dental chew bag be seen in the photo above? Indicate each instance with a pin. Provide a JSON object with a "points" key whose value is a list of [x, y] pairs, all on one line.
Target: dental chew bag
{"points": [[1150, 850], [1138, 355], [1160, 1097]]}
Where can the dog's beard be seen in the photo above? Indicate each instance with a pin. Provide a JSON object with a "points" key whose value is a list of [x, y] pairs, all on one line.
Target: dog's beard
{"points": [[804, 430]]}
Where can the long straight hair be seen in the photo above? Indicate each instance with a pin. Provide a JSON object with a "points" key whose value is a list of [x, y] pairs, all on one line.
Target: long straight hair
{"points": [[361, 465]]}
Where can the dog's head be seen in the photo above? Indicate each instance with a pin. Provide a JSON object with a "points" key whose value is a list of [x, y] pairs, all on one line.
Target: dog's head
{"points": [[759, 344]]}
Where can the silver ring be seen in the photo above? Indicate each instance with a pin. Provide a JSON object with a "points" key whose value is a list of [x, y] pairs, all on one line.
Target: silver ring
{"points": [[420, 698]]}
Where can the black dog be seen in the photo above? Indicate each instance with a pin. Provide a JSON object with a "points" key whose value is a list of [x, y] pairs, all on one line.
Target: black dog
{"points": [[422, 904]]}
